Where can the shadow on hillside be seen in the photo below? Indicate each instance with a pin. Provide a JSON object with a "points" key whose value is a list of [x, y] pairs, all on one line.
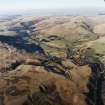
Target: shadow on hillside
{"points": [[21, 43], [95, 85]]}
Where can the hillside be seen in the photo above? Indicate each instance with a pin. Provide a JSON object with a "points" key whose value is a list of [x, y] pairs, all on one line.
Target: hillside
{"points": [[52, 60]]}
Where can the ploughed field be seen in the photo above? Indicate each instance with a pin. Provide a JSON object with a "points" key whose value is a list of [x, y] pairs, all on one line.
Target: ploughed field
{"points": [[52, 60]]}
